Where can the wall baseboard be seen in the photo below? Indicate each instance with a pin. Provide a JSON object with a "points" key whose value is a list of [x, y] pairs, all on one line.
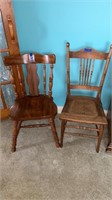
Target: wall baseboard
{"points": [[61, 107]]}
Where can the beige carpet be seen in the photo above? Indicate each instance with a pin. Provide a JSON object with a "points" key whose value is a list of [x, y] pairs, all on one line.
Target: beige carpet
{"points": [[40, 171]]}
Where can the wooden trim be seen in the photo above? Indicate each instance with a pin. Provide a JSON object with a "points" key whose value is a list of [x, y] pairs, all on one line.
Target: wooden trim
{"points": [[7, 13], [4, 113], [9, 26], [12, 40]]}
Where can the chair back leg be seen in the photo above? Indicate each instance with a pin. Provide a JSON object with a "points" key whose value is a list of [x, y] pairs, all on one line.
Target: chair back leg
{"points": [[54, 132], [17, 125], [63, 124], [99, 137]]}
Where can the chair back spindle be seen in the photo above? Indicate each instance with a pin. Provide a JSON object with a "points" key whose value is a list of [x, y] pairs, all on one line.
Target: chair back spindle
{"points": [[51, 80], [86, 71], [44, 78]]}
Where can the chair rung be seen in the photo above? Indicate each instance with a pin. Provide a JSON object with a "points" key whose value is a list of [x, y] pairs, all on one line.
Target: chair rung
{"points": [[82, 127], [81, 135], [35, 125]]}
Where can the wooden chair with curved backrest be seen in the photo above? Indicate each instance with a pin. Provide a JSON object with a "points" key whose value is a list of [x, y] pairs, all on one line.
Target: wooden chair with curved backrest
{"points": [[33, 104], [83, 108]]}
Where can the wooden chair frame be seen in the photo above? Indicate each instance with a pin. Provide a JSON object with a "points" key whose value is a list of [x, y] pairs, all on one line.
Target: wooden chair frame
{"points": [[35, 105], [74, 107]]}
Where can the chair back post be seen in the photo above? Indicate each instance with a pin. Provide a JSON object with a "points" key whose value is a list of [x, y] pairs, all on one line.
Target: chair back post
{"points": [[68, 68], [44, 78], [105, 71]]}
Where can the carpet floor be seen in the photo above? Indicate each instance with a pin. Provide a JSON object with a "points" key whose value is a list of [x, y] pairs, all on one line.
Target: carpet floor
{"points": [[40, 171]]}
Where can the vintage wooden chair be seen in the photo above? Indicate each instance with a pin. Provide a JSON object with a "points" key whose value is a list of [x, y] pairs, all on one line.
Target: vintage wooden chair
{"points": [[83, 107], [33, 104]]}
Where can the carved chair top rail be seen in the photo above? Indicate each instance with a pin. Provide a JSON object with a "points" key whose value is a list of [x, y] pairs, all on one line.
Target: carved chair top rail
{"points": [[92, 54], [89, 53], [30, 58]]}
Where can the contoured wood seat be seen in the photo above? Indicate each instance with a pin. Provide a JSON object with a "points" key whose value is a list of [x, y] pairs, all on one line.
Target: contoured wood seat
{"points": [[83, 104], [33, 107], [36, 101]]}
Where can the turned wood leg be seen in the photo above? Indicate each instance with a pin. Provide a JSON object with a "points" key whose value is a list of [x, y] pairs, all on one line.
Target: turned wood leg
{"points": [[17, 125], [97, 128], [54, 132], [99, 137], [63, 123]]}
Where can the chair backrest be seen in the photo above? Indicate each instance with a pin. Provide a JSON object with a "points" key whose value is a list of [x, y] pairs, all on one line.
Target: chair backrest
{"points": [[90, 69], [38, 72]]}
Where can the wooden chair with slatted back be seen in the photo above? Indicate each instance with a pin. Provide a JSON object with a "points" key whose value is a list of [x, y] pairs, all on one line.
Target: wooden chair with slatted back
{"points": [[83, 108], [33, 104]]}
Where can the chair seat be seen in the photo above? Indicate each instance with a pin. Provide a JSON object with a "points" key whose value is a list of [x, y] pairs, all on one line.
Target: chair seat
{"points": [[83, 109], [33, 107]]}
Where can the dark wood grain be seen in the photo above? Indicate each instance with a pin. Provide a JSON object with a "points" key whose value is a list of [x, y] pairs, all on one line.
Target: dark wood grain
{"points": [[38, 104]]}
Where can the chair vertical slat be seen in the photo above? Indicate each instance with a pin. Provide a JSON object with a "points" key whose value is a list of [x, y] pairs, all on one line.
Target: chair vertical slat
{"points": [[50, 80], [88, 72], [91, 71], [83, 71], [44, 78], [32, 79], [80, 74]]}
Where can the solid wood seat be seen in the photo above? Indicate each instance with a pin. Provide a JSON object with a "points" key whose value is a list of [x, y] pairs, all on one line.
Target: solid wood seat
{"points": [[34, 99], [86, 70], [33, 107]]}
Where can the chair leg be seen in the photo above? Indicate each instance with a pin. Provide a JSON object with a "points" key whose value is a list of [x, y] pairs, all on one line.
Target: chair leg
{"points": [[54, 132], [97, 131], [17, 125], [63, 123], [99, 138]]}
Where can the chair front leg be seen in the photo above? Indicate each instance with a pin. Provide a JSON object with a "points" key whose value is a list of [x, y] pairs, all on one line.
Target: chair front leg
{"points": [[54, 132], [101, 128], [63, 124], [17, 125]]}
